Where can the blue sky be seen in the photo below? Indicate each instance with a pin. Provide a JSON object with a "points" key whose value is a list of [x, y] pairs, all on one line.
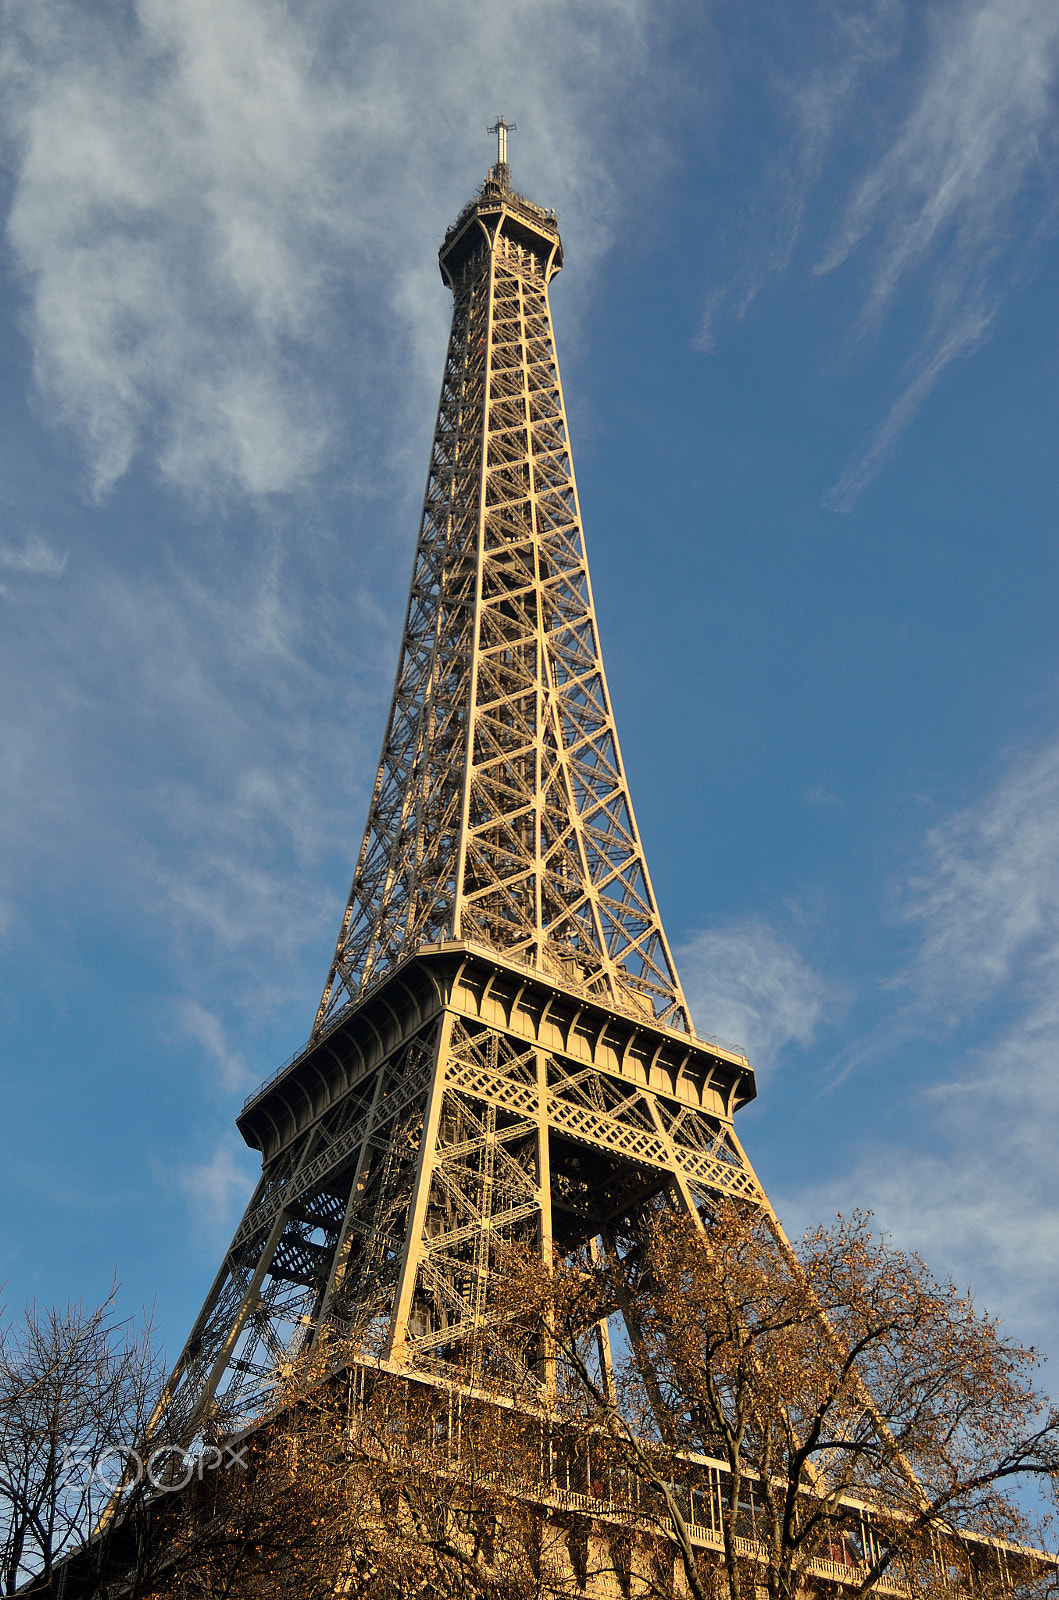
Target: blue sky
{"points": [[808, 330]]}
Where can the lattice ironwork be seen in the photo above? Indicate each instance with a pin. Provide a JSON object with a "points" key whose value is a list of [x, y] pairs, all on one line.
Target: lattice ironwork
{"points": [[329, 1215], [380, 1221], [500, 811], [503, 1053]]}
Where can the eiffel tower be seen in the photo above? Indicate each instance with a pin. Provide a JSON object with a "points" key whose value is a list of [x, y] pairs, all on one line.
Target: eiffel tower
{"points": [[503, 1051]]}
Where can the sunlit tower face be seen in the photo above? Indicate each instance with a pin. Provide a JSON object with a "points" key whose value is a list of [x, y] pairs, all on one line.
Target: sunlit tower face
{"points": [[503, 1052]]}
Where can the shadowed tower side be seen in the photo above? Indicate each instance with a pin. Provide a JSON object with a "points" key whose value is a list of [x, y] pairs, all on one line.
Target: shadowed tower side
{"points": [[503, 1052]]}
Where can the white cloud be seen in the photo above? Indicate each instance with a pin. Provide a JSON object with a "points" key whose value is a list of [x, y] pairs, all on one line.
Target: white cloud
{"points": [[224, 221], [230, 833], [209, 1031], [34, 558], [992, 1227], [167, 185], [967, 144], [979, 135], [181, 746], [949, 213], [217, 1190], [222, 214], [988, 899], [817, 78], [974, 1183], [744, 983]]}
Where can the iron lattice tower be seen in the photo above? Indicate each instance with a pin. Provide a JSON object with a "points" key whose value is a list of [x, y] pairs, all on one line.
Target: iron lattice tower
{"points": [[503, 1051]]}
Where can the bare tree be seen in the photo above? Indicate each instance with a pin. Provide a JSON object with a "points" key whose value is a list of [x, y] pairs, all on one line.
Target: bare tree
{"points": [[76, 1390]]}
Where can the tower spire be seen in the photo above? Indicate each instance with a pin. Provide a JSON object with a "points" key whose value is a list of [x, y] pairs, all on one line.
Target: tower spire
{"points": [[501, 172]]}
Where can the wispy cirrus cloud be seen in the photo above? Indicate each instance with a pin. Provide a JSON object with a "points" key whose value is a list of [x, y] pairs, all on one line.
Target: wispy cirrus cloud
{"points": [[223, 224], [170, 183], [746, 983], [216, 1190], [933, 214], [820, 65], [177, 748], [209, 1031], [35, 558], [976, 1184], [221, 214], [959, 100], [987, 901]]}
